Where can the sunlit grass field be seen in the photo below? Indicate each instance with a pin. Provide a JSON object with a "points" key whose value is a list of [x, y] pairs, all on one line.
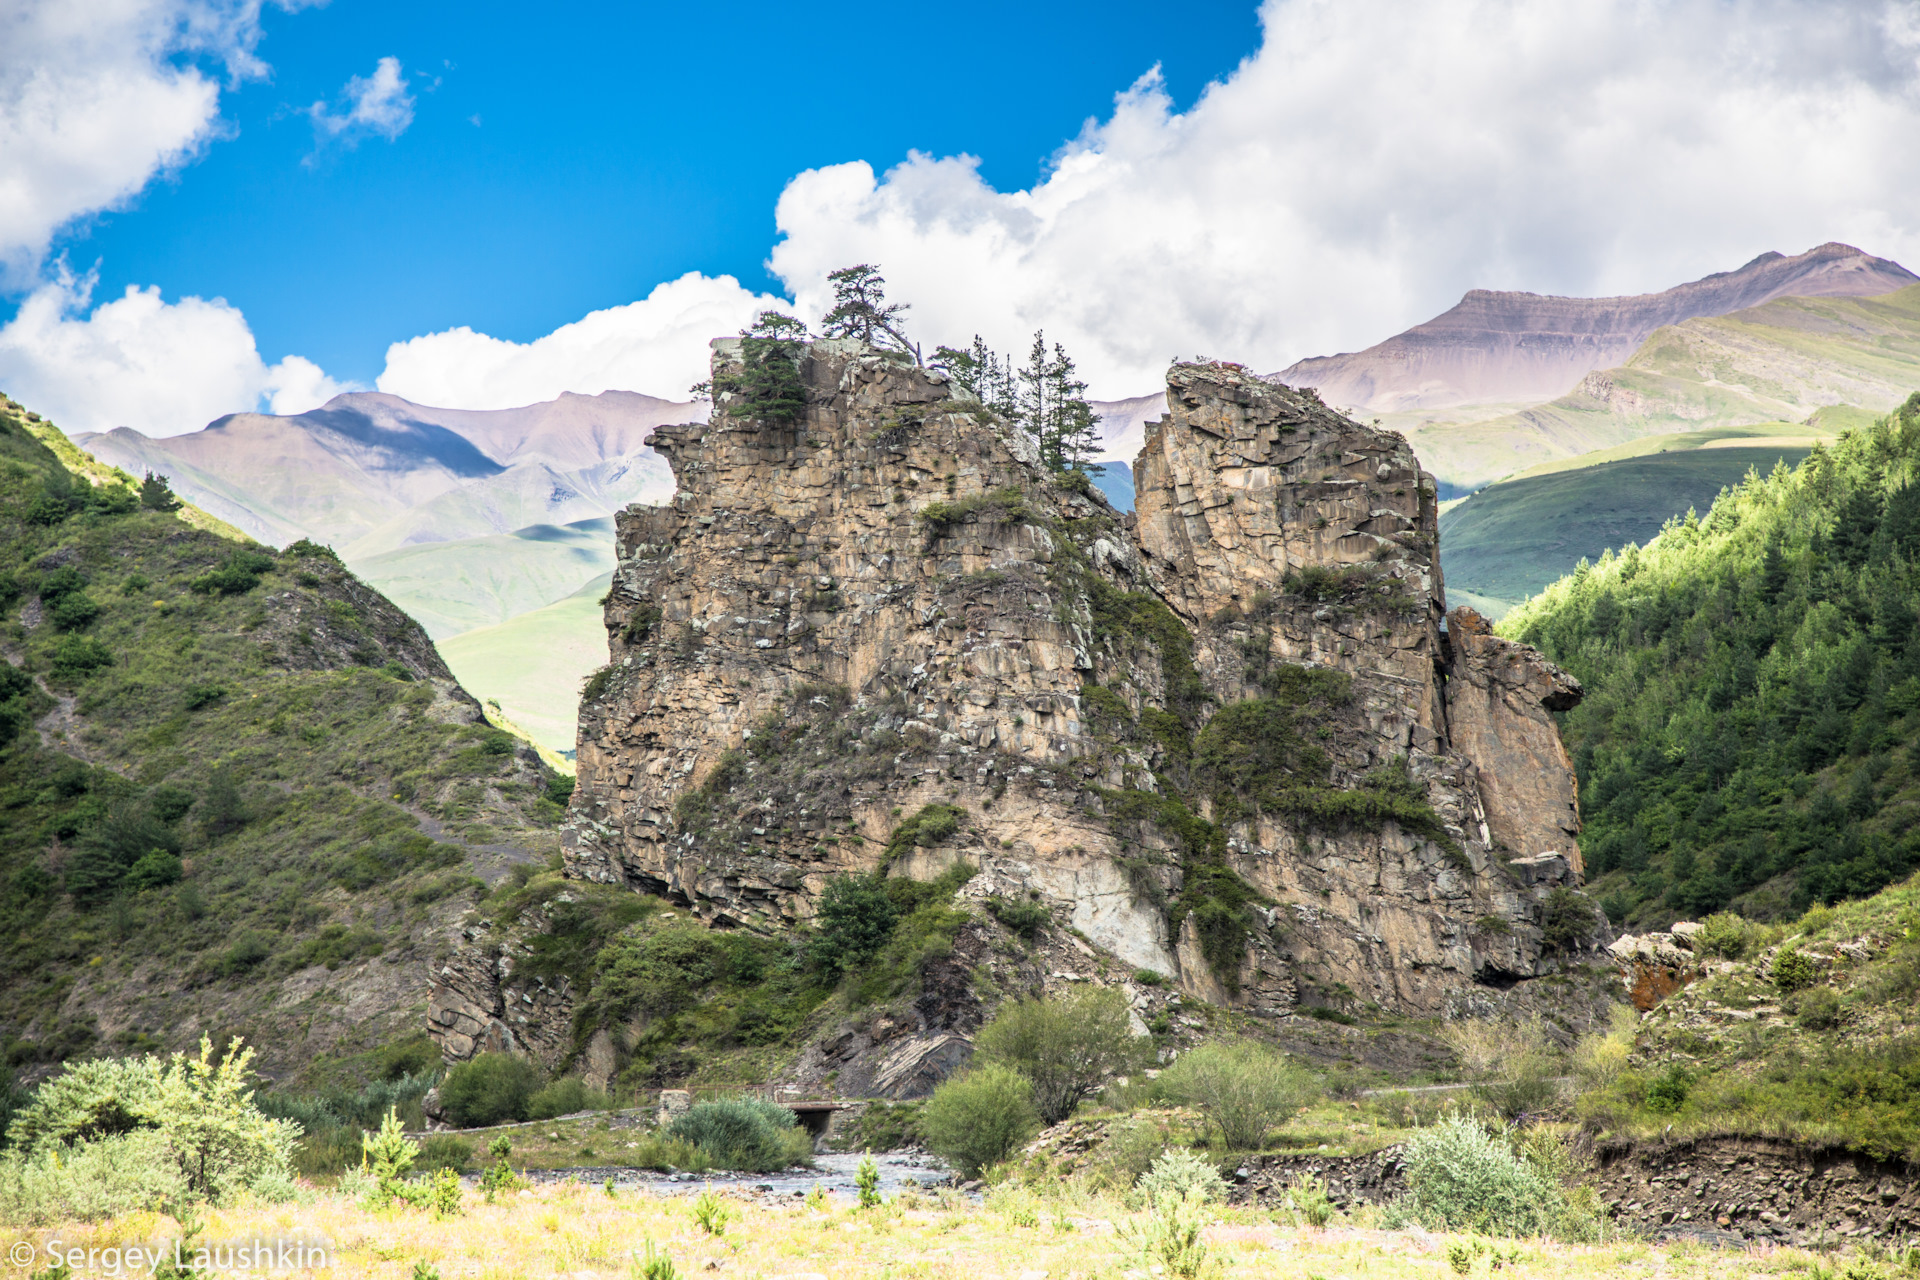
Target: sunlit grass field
{"points": [[576, 1230]]}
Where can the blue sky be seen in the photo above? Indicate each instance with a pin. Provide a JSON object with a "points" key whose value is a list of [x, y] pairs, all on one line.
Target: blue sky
{"points": [[617, 145], [216, 205]]}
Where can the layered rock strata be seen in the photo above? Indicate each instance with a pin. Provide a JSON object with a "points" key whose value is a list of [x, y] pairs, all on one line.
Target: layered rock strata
{"points": [[885, 604]]}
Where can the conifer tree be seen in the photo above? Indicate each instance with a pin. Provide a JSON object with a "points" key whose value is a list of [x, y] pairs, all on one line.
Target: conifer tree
{"points": [[861, 310]]}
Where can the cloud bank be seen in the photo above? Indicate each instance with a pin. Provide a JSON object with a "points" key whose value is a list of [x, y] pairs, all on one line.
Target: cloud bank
{"points": [[138, 361], [1374, 160], [1369, 164], [657, 346], [95, 101]]}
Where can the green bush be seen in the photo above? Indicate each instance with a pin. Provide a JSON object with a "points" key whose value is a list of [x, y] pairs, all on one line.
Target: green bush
{"points": [[1243, 1090], [744, 1134], [1727, 935], [490, 1089], [855, 921], [107, 1136], [1066, 1047], [153, 870], [1667, 1092], [88, 1181], [1461, 1176], [1794, 969], [977, 1120], [1817, 1009], [1181, 1174], [239, 575], [73, 612], [75, 656], [1024, 916], [564, 1097]]}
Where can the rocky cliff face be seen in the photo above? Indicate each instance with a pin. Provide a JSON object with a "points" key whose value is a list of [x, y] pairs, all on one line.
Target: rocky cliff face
{"points": [[1216, 741]]}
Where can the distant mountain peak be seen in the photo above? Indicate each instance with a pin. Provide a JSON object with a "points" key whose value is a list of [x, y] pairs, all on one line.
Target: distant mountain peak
{"points": [[1497, 345]]}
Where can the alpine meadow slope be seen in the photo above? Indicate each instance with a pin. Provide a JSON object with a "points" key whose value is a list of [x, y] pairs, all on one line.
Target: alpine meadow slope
{"points": [[239, 791]]}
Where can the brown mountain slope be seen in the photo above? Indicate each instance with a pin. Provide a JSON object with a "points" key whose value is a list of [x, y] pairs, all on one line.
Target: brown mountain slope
{"points": [[367, 472], [1532, 347]]}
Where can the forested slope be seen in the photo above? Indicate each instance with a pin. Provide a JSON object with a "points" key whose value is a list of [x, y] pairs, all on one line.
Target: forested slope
{"points": [[239, 791], [1752, 718]]}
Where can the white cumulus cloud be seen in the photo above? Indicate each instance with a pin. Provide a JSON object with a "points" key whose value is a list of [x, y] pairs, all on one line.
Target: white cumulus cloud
{"points": [[98, 98], [140, 361], [375, 104], [657, 346], [1374, 160]]}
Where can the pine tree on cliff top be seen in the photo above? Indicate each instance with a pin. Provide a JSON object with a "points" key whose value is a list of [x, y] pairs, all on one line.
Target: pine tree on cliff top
{"points": [[1046, 399], [861, 310]]}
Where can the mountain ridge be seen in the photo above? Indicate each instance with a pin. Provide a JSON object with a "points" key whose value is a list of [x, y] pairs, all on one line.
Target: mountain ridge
{"points": [[1514, 346]]}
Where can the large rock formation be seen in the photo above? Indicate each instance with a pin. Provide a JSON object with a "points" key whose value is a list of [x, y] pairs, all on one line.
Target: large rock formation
{"points": [[1216, 741]]}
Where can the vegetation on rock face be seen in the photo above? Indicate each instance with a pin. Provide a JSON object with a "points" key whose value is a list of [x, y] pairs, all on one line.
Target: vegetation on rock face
{"points": [[1045, 399], [1753, 690], [235, 752]]}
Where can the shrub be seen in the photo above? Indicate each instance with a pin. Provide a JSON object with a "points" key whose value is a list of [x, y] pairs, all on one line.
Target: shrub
{"points": [[855, 920], [105, 1137], [1170, 1238], [76, 656], [1667, 1092], [1178, 1174], [74, 611], [1726, 934], [1794, 969], [1817, 1009], [107, 1178], [711, 1212], [1024, 916], [744, 1134], [87, 1101], [1064, 1047], [239, 575], [1242, 1089], [1600, 1058], [490, 1089], [1462, 1177], [1308, 1198], [564, 1097], [1509, 1063], [444, 1151], [866, 1180], [153, 870], [977, 1120], [387, 1156]]}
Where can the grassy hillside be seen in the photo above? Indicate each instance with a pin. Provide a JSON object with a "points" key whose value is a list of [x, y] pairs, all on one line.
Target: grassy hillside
{"points": [[1751, 729], [1803, 1031], [1510, 540], [1779, 362], [239, 791], [469, 583], [533, 664]]}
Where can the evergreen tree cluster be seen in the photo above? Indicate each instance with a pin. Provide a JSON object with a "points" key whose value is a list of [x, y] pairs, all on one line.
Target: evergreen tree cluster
{"points": [[1044, 398], [1751, 732]]}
